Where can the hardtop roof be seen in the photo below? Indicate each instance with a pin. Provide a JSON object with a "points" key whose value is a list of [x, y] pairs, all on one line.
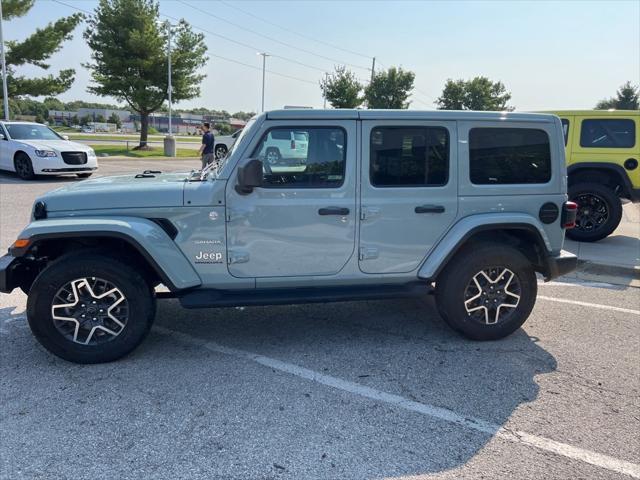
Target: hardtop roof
{"points": [[352, 114]]}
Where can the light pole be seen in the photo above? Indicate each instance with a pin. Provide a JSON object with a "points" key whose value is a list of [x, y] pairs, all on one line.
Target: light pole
{"points": [[264, 65], [5, 95], [169, 72]]}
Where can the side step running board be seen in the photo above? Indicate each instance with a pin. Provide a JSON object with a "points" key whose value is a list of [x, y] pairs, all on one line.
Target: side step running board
{"points": [[205, 298]]}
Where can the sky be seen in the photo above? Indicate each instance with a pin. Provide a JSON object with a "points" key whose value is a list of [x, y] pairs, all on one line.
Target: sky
{"points": [[549, 54]]}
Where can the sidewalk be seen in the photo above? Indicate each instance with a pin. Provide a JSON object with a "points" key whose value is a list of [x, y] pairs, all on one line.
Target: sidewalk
{"points": [[615, 259]]}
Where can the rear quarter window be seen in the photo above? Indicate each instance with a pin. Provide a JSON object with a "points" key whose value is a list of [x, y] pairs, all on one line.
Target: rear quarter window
{"points": [[501, 156], [608, 133]]}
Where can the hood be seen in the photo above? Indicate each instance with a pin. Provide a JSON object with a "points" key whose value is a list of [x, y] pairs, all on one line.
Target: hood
{"points": [[58, 145], [123, 191]]}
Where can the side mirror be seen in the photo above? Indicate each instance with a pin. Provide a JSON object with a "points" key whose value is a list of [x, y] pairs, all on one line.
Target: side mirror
{"points": [[249, 177], [65, 137], [2, 137]]}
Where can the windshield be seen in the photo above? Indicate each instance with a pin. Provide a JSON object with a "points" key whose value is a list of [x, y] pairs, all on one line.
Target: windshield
{"points": [[220, 163], [29, 131]]}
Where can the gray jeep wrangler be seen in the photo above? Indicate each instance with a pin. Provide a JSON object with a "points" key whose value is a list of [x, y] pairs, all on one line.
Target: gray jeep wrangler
{"points": [[373, 205]]}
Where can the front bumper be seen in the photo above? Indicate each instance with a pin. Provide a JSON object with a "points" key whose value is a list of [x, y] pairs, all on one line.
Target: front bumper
{"points": [[556, 266], [8, 273]]}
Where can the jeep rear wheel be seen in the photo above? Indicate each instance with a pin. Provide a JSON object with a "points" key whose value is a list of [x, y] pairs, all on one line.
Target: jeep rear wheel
{"points": [[89, 308], [599, 212], [487, 292]]}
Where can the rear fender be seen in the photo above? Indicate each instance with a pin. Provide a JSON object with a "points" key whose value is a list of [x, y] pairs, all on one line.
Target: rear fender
{"points": [[469, 226]]}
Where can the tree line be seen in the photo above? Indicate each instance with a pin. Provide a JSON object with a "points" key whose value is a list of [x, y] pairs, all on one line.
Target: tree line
{"points": [[393, 87], [129, 62]]}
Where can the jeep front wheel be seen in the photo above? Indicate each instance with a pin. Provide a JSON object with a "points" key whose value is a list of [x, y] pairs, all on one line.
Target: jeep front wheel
{"points": [[599, 212], [487, 292], [89, 308]]}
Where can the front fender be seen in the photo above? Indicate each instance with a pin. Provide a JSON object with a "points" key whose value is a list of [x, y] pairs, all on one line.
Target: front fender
{"points": [[147, 237], [467, 227]]}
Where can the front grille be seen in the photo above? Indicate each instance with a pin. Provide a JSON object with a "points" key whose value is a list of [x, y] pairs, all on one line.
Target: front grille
{"points": [[74, 158]]}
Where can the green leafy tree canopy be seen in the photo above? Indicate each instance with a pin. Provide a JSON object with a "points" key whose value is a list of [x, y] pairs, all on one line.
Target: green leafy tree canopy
{"points": [[36, 50], [342, 89], [114, 118], [626, 99], [129, 57], [390, 89], [479, 93]]}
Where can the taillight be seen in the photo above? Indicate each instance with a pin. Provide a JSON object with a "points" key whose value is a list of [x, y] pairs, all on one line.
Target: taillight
{"points": [[293, 144], [569, 212]]}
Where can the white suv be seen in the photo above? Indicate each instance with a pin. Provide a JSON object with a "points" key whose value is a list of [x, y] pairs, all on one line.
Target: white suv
{"points": [[31, 149]]}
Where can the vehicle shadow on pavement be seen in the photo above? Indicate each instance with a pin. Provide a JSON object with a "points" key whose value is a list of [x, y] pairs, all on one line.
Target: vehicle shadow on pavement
{"points": [[400, 347], [179, 409]]}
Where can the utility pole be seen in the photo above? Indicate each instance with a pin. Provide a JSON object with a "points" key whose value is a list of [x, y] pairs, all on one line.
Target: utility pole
{"points": [[264, 65], [373, 68], [326, 77], [5, 95]]}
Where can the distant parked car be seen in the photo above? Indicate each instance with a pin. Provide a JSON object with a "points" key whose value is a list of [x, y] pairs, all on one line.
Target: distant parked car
{"points": [[31, 149], [87, 130], [285, 147], [224, 143]]}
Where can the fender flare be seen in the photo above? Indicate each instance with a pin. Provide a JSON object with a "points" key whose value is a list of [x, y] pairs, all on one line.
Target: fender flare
{"points": [[614, 168], [464, 229], [148, 238]]}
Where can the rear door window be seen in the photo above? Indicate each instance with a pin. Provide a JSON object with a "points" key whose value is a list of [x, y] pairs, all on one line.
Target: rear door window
{"points": [[608, 133], [499, 156], [409, 157]]}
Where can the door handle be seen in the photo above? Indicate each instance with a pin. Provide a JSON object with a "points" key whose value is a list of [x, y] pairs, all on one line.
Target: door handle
{"points": [[333, 211], [429, 209]]}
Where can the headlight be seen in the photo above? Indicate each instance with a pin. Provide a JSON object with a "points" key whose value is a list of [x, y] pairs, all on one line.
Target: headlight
{"points": [[91, 153], [46, 153]]}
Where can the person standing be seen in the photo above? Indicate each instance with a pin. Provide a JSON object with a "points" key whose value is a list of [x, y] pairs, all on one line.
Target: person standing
{"points": [[206, 149]]}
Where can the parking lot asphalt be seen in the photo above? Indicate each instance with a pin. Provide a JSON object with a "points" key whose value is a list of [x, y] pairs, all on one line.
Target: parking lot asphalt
{"points": [[379, 389]]}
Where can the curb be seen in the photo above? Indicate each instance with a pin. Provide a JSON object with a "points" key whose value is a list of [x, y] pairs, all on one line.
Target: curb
{"points": [[616, 274]]}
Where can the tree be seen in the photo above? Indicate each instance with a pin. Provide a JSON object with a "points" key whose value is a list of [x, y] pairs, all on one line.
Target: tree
{"points": [[626, 99], [245, 116], [129, 57], [342, 89], [390, 89], [114, 118], [86, 120], [479, 93], [35, 50], [99, 119]]}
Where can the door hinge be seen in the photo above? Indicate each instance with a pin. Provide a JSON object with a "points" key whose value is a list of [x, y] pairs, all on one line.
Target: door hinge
{"points": [[366, 213], [368, 253], [238, 256]]}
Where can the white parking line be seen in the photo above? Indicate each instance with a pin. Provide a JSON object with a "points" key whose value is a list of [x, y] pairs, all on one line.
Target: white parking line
{"points": [[479, 425], [593, 305]]}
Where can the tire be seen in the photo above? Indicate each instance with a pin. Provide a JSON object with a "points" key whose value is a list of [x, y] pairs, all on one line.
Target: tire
{"points": [[220, 151], [86, 276], [599, 212], [456, 290], [272, 155], [23, 166], [83, 175]]}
